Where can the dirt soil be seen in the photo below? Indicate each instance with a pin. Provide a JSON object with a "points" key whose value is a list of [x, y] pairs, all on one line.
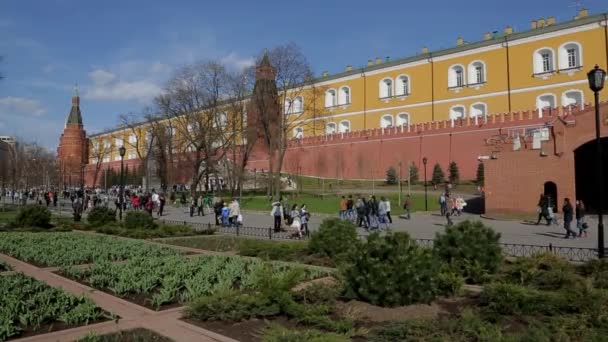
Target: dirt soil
{"points": [[50, 327], [362, 311], [245, 331]]}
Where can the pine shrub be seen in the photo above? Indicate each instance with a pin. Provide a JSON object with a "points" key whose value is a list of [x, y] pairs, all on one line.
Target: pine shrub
{"points": [[391, 176], [413, 169], [334, 238], [138, 220], [100, 216], [480, 179], [471, 249], [33, 216], [391, 270], [454, 173]]}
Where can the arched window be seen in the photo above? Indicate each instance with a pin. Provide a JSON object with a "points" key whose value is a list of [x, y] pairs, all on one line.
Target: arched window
{"points": [[386, 121], [288, 106], [330, 98], [457, 112], [545, 101], [298, 104], [570, 56], [477, 72], [456, 77], [344, 96], [572, 98], [403, 119], [330, 128], [298, 132], [479, 111], [344, 126], [403, 85], [544, 61], [386, 88]]}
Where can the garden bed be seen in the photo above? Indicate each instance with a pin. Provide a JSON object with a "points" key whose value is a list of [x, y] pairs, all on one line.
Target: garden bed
{"points": [[65, 249], [30, 307], [4, 267], [164, 282], [133, 335]]}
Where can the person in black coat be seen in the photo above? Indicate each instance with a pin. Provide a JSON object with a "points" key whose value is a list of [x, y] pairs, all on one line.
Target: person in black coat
{"points": [[568, 216]]}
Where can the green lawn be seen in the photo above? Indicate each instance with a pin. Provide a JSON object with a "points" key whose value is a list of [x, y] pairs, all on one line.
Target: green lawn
{"points": [[330, 204], [7, 216]]}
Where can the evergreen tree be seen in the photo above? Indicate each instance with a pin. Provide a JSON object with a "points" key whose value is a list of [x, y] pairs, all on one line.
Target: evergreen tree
{"points": [[438, 175], [413, 173], [454, 174], [480, 174], [391, 176]]}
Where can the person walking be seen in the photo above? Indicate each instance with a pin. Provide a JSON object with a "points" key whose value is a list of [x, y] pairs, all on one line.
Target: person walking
{"points": [[388, 210], [235, 211], [543, 210], [343, 208], [407, 207], [277, 213], [447, 212], [373, 213], [443, 203], [296, 224], [580, 218], [161, 204], [304, 218], [382, 213], [225, 214], [350, 213], [568, 214], [217, 208]]}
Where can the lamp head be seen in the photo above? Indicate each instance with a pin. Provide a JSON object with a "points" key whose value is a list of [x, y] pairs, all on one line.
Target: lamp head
{"points": [[424, 160], [122, 151], [596, 77]]}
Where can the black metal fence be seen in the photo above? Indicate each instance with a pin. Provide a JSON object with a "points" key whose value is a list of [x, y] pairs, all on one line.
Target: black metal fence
{"points": [[576, 254]]}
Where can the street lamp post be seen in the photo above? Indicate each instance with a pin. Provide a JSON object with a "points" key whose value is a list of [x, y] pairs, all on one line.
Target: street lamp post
{"points": [[122, 151], [596, 82], [426, 202]]}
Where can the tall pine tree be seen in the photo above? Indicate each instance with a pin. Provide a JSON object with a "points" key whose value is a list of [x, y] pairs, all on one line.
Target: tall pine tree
{"points": [[454, 174], [413, 173], [438, 175], [391, 176]]}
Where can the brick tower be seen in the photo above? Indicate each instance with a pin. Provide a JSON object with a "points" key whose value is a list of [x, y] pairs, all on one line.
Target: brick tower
{"points": [[73, 147]]}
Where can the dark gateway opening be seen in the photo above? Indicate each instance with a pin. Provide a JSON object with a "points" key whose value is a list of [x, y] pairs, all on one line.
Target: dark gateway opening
{"points": [[586, 178]]}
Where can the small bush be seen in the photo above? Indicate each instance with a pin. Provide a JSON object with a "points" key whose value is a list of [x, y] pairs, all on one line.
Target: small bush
{"points": [[392, 270], [272, 250], [277, 333], [543, 271], [391, 176], [100, 216], [318, 294], [597, 270], [509, 299], [334, 238], [470, 248], [33, 216], [232, 306], [449, 282], [139, 219], [438, 176]]}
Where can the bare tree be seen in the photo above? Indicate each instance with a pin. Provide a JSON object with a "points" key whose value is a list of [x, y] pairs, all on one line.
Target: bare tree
{"points": [[141, 138], [99, 151], [280, 116], [194, 102]]}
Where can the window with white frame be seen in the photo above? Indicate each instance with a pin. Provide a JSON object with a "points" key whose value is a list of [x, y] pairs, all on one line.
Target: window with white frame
{"points": [[456, 77], [117, 157], [189, 128], [386, 121], [330, 98], [118, 142], [572, 98], [543, 61], [330, 128], [288, 106], [148, 136], [403, 119], [190, 148], [221, 120], [570, 56], [132, 139], [403, 85], [477, 72], [131, 155], [106, 159], [344, 96], [478, 110], [107, 144], [386, 88], [96, 145], [298, 104], [546, 101], [298, 132], [94, 160], [457, 112], [344, 126]]}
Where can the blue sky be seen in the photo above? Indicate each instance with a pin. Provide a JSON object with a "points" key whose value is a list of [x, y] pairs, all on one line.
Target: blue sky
{"points": [[121, 52]]}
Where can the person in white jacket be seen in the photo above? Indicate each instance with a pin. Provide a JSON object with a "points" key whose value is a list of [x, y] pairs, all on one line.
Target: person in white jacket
{"points": [[277, 213]]}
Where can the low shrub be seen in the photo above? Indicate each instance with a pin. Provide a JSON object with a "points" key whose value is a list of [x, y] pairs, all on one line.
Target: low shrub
{"points": [[470, 248], [33, 216], [232, 306], [99, 216], [277, 333], [542, 271], [287, 251], [318, 294], [597, 270], [449, 282], [334, 238], [391, 270], [139, 219], [161, 231], [509, 299]]}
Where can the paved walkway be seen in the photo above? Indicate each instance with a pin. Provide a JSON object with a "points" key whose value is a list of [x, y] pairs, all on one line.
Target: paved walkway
{"points": [[166, 323], [426, 225]]}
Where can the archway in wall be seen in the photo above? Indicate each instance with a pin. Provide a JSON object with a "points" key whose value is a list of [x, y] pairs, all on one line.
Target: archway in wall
{"points": [[550, 191], [585, 173]]}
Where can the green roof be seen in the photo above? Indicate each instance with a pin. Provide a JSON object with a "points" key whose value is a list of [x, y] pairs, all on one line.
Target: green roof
{"points": [[75, 118]]}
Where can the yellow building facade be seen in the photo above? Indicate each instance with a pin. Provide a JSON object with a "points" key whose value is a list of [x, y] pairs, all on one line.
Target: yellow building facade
{"points": [[542, 68]]}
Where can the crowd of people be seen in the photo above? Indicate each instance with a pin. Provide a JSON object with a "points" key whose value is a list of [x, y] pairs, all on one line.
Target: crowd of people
{"points": [[295, 218], [546, 211], [368, 213]]}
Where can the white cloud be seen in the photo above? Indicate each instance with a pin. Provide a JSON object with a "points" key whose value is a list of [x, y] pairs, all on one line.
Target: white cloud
{"points": [[10, 106], [107, 86], [232, 60]]}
